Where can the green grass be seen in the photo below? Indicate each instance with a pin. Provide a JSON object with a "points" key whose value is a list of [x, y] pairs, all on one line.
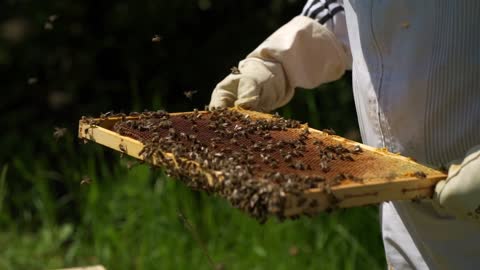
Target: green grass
{"points": [[128, 219]]}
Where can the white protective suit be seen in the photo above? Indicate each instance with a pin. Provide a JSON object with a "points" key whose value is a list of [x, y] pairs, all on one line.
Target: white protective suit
{"points": [[416, 82]]}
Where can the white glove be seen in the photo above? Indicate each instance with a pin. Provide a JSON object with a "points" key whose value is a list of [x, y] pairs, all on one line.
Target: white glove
{"points": [[302, 53], [459, 194], [259, 85]]}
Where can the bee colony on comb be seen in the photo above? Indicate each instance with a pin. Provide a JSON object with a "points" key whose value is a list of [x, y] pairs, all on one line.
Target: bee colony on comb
{"points": [[263, 164]]}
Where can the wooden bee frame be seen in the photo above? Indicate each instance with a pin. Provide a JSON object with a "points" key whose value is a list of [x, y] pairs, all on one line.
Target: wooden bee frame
{"points": [[407, 180]]}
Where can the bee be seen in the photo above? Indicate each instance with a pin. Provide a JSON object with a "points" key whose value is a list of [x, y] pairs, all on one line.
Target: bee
{"points": [[287, 157], [183, 136], [298, 165], [218, 154], [250, 159], [107, 114], [265, 158], [324, 166], [59, 132], [419, 174], [156, 38], [234, 70], [52, 18], [189, 94], [329, 131], [305, 130], [172, 133], [274, 164], [317, 142], [165, 124], [85, 180], [216, 139], [48, 26], [122, 148], [339, 177], [233, 141], [347, 158], [132, 163], [357, 149], [32, 81], [256, 147], [296, 153]]}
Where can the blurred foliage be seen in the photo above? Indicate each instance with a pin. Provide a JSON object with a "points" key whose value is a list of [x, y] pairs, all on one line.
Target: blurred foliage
{"points": [[63, 59]]}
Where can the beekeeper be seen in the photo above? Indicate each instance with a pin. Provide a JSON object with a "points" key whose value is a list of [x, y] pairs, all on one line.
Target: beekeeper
{"points": [[416, 81]]}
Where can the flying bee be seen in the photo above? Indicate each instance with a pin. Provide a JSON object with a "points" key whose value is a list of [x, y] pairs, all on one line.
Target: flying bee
{"points": [[132, 163], [48, 26], [85, 180], [189, 94], [156, 38], [52, 18], [32, 80], [59, 132]]}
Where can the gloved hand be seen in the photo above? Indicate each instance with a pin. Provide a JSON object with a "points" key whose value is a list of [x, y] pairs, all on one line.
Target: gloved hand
{"points": [[459, 194], [302, 53], [258, 85]]}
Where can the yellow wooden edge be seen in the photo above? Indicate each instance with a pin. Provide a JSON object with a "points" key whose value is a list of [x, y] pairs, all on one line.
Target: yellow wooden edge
{"points": [[361, 194]]}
